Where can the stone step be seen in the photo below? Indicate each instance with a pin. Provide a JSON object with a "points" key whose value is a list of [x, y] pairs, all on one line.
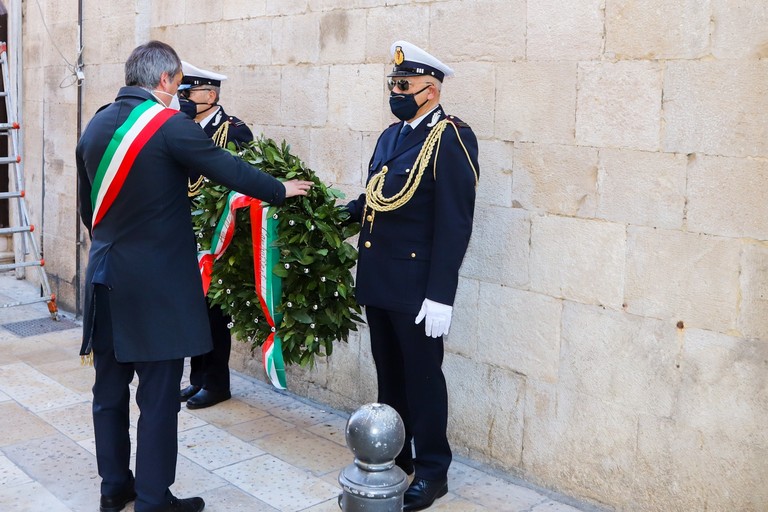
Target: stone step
{"points": [[6, 257]]}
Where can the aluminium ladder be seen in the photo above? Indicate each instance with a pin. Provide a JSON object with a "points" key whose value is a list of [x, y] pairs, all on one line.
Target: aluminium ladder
{"points": [[23, 230]]}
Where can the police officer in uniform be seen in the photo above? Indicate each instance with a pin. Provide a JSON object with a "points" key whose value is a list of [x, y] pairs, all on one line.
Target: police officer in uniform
{"points": [[209, 373], [416, 215]]}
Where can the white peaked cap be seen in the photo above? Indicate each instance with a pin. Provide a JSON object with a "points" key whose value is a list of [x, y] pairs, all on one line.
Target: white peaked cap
{"points": [[194, 76], [410, 60]]}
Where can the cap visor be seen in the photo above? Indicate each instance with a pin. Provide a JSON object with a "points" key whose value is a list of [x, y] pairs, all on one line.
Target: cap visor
{"points": [[404, 73]]}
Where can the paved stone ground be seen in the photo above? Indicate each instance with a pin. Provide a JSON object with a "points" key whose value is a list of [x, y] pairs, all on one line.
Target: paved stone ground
{"points": [[262, 451]]}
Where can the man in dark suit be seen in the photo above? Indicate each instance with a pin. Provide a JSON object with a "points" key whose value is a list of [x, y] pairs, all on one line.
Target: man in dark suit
{"points": [[144, 306], [209, 373], [416, 217]]}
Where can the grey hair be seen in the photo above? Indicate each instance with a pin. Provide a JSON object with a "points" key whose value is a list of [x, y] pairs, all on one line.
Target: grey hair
{"points": [[147, 63], [217, 90]]}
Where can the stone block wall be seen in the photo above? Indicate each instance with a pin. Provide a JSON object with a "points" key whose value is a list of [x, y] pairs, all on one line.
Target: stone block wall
{"points": [[610, 338]]}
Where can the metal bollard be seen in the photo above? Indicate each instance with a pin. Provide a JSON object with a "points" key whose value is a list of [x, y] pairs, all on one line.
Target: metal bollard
{"points": [[373, 483]]}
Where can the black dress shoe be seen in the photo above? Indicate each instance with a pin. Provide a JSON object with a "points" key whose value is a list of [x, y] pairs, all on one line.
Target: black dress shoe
{"points": [[205, 398], [185, 505], [422, 493], [118, 502], [188, 392]]}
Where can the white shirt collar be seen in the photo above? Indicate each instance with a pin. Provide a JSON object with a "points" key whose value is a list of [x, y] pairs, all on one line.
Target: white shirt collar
{"points": [[208, 118], [419, 119]]}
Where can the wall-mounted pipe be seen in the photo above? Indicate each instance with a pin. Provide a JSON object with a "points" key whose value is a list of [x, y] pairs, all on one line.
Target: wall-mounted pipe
{"points": [[78, 226]]}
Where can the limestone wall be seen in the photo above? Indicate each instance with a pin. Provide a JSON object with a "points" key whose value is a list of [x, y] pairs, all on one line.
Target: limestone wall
{"points": [[610, 338]]}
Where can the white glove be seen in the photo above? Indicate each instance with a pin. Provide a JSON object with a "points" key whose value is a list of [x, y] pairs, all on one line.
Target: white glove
{"points": [[438, 318]]}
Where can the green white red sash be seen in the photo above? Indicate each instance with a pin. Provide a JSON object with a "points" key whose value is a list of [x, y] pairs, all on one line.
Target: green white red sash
{"points": [[267, 284], [126, 144]]}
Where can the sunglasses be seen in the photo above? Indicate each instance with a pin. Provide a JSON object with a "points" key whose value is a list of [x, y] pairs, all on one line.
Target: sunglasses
{"points": [[185, 93], [404, 84]]}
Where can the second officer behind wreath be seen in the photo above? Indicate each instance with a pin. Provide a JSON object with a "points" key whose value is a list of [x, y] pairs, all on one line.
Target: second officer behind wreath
{"points": [[209, 373], [416, 217]]}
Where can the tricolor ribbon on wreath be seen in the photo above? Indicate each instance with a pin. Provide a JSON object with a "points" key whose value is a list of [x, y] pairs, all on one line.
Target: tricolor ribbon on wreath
{"points": [[267, 284]]}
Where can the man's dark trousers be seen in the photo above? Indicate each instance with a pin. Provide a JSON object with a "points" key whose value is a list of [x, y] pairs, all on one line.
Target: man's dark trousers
{"points": [[211, 370], [158, 398], [410, 379]]}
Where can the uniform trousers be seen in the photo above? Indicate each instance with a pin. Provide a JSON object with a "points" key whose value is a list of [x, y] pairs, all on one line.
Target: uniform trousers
{"points": [[211, 371], [157, 396], [411, 380]]}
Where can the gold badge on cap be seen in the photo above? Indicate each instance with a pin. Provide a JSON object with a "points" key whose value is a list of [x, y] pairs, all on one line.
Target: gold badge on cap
{"points": [[399, 56]]}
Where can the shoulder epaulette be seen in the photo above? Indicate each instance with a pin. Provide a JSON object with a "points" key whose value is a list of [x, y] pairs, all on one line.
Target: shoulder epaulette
{"points": [[458, 122], [235, 121]]}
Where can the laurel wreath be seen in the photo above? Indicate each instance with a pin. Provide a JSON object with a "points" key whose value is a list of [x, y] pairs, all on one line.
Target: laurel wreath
{"points": [[318, 302]]}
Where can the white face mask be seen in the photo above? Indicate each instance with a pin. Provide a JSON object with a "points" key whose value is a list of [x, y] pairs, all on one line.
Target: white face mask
{"points": [[175, 105]]}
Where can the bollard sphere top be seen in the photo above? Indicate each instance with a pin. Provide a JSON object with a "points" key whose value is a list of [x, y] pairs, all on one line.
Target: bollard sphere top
{"points": [[375, 434]]}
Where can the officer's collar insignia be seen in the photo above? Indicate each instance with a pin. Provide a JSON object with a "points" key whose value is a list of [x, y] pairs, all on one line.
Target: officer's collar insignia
{"points": [[435, 119], [399, 56]]}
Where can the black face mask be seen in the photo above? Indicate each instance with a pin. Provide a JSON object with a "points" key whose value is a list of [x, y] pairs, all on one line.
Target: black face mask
{"points": [[188, 107], [404, 106]]}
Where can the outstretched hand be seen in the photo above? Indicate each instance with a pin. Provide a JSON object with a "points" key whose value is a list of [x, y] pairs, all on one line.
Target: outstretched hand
{"points": [[296, 188]]}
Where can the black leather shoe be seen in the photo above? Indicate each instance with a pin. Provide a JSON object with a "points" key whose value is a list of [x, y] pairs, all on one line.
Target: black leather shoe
{"points": [[422, 493], [185, 505], [205, 398], [118, 502], [188, 392]]}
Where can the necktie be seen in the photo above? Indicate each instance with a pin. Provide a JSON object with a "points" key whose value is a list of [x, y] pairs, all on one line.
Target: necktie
{"points": [[404, 131]]}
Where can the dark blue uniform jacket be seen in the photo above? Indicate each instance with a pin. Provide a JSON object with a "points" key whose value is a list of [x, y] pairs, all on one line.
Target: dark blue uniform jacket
{"points": [[416, 250], [238, 132]]}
